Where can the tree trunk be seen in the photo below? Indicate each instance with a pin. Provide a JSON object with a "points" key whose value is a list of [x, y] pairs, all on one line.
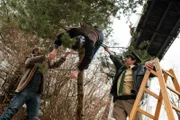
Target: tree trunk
{"points": [[80, 96], [80, 89]]}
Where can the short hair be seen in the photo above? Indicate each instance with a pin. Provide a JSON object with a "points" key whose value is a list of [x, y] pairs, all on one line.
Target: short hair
{"points": [[34, 49]]}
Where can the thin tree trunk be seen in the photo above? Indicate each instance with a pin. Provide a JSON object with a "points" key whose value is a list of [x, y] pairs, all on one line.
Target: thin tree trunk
{"points": [[80, 96], [80, 89]]}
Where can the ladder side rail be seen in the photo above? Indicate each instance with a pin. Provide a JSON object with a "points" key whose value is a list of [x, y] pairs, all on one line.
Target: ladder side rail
{"points": [[163, 90], [159, 102], [139, 96], [175, 82]]}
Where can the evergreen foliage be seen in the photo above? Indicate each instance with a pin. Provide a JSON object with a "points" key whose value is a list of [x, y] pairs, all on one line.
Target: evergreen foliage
{"points": [[67, 41], [142, 53], [49, 17]]}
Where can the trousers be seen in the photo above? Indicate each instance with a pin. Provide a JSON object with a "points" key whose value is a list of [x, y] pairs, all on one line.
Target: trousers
{"points": [[28, 97], [122, 109]]}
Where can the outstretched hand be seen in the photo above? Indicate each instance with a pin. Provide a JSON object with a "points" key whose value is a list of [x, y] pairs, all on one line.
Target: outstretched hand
{"points": [[74, 74], [67, 53], [52, 54]]}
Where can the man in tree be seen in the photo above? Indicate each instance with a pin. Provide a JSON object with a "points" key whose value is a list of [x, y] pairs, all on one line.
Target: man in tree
{"points": [[88, 39], [31, 85], [126, 83]]}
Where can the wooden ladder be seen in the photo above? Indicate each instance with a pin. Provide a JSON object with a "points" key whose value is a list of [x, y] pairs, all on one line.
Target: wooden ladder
{"points": [[162, 76]]}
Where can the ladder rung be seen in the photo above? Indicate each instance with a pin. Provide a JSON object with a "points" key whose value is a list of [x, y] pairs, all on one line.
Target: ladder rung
{"points": [[173, 90], [168, 73], [153, 72], [176, 108], [151, 93], [145, 113]]}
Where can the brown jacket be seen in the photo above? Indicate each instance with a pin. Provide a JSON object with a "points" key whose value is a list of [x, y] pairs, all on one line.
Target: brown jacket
{"points": [[30, 67], [91, 37]]}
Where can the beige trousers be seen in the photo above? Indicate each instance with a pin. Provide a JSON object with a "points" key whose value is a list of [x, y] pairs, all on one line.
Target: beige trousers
{"points": [[122, 109]]}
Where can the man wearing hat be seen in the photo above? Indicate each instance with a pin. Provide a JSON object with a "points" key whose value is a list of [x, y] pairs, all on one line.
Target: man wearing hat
{"points": [[126, 83], [31, 85]]}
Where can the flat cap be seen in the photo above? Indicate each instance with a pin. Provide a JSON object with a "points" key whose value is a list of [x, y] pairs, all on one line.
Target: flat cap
{"points": [[133, 55]]}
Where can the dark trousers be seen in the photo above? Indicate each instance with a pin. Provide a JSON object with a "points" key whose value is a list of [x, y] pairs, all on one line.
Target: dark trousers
{"points": [[31, 99]]}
